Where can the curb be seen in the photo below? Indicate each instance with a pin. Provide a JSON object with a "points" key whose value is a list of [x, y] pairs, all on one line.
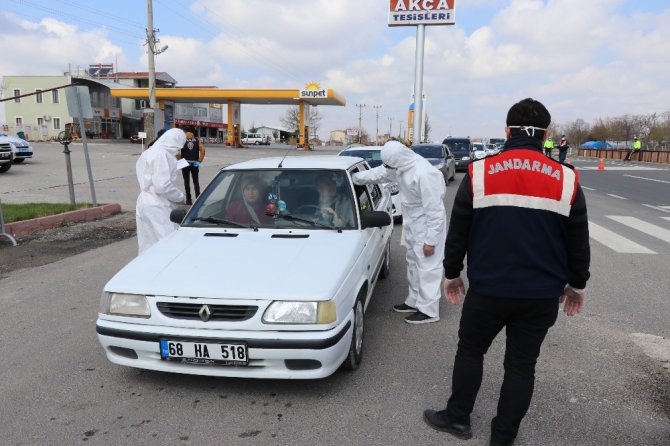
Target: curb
{"points": [[25, 227]]}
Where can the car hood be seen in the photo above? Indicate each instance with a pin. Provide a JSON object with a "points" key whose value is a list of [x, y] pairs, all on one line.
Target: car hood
{"points": [[251, 265], [435, 161], [18, 142]]}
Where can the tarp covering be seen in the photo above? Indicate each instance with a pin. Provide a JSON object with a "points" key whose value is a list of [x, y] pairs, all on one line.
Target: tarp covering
{"points": [[596, 145]]}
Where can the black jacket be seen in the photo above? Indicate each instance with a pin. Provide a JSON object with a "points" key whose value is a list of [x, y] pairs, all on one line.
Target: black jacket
{"points": [[515, 249]]}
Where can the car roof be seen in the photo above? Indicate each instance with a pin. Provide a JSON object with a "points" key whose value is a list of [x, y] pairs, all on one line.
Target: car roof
{"points": [[298, 162], [357, 148]]}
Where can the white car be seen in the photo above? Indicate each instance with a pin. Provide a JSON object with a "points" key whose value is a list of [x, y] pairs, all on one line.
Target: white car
{"points": [[279, 296], [372, 154], [21, 148]]}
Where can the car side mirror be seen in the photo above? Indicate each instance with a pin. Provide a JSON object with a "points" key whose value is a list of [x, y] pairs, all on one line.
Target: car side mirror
{"points": [[374, 219], [177, 215]]}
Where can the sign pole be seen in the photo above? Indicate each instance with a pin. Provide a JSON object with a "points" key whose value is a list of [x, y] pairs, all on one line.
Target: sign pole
{"points": [[84, 139], [417, 124]]}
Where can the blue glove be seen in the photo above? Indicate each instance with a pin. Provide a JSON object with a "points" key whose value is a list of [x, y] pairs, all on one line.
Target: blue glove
{"points": [[196, 163]]}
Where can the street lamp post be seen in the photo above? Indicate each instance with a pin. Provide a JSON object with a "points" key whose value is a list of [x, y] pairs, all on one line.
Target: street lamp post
{"points": [[152, 51]]}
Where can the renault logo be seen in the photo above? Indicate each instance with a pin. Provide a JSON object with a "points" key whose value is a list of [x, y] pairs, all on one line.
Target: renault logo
{"points": [[205, 313]]}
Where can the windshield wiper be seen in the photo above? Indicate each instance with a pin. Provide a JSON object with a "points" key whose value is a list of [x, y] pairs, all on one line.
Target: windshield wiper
{"points": [[220, 221], [302, 220]]}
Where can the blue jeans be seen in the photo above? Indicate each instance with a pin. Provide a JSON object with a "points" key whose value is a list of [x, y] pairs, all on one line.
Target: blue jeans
{"points": [[526, 323]]}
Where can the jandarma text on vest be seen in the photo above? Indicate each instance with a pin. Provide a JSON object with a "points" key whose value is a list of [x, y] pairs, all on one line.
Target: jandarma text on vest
{"points": [[524, 164]]}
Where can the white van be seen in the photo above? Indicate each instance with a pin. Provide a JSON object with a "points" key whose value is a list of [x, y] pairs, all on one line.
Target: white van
{"points": [[254, 138]]}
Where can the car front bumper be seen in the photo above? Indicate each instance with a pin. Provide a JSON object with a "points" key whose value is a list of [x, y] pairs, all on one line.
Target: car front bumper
{"points": [[275, 354]]}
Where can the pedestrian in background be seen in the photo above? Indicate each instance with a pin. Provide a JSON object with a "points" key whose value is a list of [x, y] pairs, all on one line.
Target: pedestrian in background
{"points": [[193, 152], [424, 228], [158, 135], [637, 146], [563, 147], [521, 219], [548, 146], [157, 174]]}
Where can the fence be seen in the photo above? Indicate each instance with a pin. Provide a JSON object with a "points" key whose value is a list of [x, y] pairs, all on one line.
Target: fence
{"points": [[647, 156]]}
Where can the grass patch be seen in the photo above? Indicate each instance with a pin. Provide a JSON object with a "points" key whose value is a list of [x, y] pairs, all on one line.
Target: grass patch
{"points": [[26, 211]]}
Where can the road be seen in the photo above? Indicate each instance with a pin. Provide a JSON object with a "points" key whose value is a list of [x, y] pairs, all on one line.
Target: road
{"points": [[601, 378]]}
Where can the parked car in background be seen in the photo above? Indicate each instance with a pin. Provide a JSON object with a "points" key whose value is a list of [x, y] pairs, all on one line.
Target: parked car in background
{"points": [[439, 156], [372, 154], [279, 294], [135, 139], [461, 148], [478, 151], [22, 149], [6, 155], [255, 138]]}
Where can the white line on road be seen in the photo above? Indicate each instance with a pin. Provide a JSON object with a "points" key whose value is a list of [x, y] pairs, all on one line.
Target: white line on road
{"points": [[587, 188], [658, 208], [641, 225], [617, 196], [648, 179], [616, 242]]}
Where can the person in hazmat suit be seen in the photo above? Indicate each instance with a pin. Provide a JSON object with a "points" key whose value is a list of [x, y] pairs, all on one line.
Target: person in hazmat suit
{"points": [[422, 191], [157, 175]]}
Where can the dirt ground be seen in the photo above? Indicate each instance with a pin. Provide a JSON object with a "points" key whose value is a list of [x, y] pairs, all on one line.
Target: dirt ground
{"points": [[54, 244]]}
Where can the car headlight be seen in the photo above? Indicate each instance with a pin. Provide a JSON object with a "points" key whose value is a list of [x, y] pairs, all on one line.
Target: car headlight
{"points": [[321, 312], [465, 158], [124, 304]]}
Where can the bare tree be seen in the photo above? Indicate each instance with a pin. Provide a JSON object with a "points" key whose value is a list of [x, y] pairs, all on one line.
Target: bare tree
{"points": [[291, 119], [427, 128]]}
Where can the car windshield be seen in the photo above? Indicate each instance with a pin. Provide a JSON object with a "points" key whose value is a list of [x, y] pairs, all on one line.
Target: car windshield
{"points": [[373, 157], [426, 151], [459, 148], [314, 198]]}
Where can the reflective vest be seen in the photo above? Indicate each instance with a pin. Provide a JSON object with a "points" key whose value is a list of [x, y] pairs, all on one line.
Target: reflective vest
{"points": [[637, 144], [549, 144], [523, 178]]}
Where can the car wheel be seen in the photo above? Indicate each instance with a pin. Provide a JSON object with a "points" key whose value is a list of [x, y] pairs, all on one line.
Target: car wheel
{"points": [[386, 266], [355, 355], [257, 143], [19, 160], [5, 167]]}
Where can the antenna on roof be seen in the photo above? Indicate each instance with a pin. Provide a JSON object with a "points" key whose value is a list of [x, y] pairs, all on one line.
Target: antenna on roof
{"points": [[282, 160]]}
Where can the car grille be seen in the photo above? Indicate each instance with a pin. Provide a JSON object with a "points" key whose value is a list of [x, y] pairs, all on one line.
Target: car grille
{"points": [[218, 312]]}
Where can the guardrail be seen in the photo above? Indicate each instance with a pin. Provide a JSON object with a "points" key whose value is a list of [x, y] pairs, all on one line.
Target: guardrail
{"points": [[646, 156]]}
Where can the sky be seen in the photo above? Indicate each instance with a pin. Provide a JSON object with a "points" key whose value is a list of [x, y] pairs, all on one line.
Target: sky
{"points": [[582, 59]]}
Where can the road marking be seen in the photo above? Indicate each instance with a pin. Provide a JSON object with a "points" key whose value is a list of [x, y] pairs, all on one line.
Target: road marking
{"points": [[648, 179], [658, 208], [617, 196], [641, 225], [587, 188], [616, 242], [610, 167]]}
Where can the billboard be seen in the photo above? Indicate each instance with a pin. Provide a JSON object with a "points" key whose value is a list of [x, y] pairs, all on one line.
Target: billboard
{"points": [[421, 12]]}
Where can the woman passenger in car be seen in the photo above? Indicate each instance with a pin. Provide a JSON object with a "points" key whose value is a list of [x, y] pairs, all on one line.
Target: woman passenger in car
{"points": [[250, 207]]}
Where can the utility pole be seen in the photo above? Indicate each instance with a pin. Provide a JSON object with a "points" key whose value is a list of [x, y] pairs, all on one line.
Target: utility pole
{"points": [[377, 107], [400, 127], [360, 119], [417, 124], [390, 125], [152, 51]]}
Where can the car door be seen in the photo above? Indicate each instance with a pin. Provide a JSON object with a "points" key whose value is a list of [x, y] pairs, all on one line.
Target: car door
{"points": [[369, 198]]}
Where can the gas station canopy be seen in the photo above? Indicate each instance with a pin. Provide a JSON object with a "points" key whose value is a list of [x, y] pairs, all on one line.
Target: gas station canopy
{"points": [[223, 96]]}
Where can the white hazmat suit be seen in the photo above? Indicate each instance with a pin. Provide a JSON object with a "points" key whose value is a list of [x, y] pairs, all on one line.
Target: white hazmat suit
{"points": [[422, 192], [157, 175]]}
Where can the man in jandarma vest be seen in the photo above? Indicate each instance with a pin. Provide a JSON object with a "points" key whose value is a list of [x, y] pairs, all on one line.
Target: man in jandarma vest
{"points": [[521, 218]]}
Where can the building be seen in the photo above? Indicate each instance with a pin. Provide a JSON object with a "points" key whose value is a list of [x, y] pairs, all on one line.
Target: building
{"points": [[275, 133]]}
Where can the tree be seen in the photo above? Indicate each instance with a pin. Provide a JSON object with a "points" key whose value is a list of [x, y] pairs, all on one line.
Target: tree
{"points": [[291, 119], [427, 128]]}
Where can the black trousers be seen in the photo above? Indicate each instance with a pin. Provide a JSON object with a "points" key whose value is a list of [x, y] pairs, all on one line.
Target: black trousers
{"points": [[191, 171], [630, 153], [526, 323], [562, 154], [547, 152]]}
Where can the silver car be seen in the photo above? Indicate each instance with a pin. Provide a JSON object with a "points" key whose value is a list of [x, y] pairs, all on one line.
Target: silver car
{"points": [[439, 156], [21, 148]]}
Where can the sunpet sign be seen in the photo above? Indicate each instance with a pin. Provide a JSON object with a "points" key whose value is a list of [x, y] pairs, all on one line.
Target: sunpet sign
{"points": [[312, 91], [421, 12]]}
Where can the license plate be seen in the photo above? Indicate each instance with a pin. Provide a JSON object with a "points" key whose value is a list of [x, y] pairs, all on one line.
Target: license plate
{"points": [[23, 150], [204, 352]]}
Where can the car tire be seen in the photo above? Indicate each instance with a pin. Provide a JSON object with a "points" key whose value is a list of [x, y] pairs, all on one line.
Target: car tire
{"points": [[386, 266], [19, 160], [5, 167], [355, 355], [257, 143]]}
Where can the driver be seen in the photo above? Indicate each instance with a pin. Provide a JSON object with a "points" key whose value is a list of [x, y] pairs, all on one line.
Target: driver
{"points": [[333, 209]]}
